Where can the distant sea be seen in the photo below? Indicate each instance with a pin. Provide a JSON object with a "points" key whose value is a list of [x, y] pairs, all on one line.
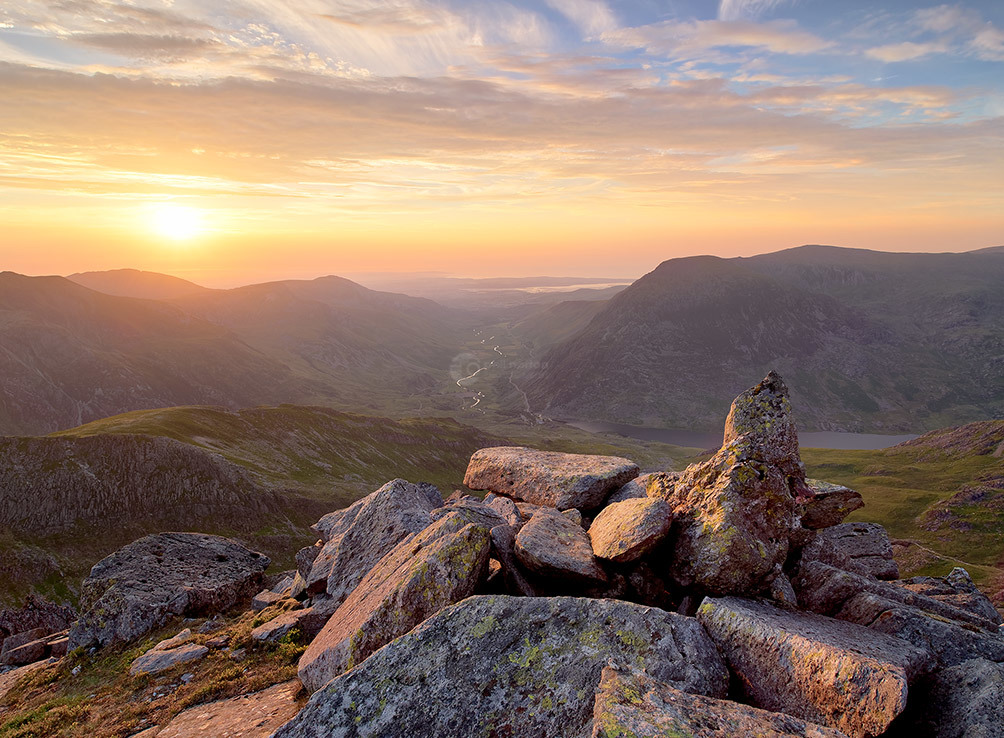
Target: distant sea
{"points": [[693, 439]]}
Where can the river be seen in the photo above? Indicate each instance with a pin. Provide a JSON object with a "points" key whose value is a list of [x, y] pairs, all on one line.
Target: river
{"points": [[695, 439]]}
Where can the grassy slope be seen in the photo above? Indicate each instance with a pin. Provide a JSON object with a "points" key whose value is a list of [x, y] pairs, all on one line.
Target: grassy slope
{"points": [[318, 459], [904, 486]]}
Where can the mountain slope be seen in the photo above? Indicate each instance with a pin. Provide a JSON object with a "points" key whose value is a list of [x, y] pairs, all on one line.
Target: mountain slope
{"points": [[69, 355], [866, 341], [263, 475], [136, 283]]}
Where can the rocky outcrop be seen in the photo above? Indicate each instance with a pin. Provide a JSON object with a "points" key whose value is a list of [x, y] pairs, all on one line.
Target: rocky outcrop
{"points": [[963, 701], [828, 504], [819, 669], [629, 703], [552, 546], [36, 612], [956, 590], [548, 478], [137, 588], [359, 536], [735, 513], [626, 531], [861, 548], [498, 665], [424, 573]]}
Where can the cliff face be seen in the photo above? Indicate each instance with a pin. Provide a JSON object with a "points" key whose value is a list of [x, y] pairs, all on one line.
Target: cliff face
{"points": [[48, 485]]}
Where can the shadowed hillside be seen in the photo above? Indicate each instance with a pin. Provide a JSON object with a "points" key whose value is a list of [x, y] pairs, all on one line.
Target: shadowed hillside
{"points": [[868, 340]]}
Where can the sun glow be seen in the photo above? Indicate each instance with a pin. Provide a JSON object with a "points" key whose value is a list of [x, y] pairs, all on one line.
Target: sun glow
{"points": [[176, 222]]}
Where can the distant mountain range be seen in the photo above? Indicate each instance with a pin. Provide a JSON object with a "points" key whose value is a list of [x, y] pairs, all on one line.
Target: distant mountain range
{"points": [[867, 341], [70, 354]]}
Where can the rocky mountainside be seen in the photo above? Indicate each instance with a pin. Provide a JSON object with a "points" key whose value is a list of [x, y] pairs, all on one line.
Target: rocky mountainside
{"points": [[871, 341], [576, 600], [261, 474]]}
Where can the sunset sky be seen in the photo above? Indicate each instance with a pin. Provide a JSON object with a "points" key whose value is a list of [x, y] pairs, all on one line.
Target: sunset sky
{"points": [[238, 140]]}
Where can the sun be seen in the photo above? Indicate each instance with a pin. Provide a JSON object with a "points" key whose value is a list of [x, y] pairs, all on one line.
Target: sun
{"points": [[176, 222]]}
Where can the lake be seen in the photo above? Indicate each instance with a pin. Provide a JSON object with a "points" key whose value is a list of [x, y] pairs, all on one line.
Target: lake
{"points": [[695, 439]]}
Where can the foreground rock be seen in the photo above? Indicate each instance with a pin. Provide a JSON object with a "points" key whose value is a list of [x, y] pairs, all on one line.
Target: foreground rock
{"points": [[553, 546], [360, 535], [957, 590], [435, 568], [816, 668], [735, 513], [248, 716], [519, 666], [548, 478], [629, 703], [861, 548], [951, 634], [140, 586], [828, 504], [963, 701], [626, 531]]}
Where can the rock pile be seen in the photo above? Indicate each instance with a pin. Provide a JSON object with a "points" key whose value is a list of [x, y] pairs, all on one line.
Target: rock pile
{"points": [[580, 599]]}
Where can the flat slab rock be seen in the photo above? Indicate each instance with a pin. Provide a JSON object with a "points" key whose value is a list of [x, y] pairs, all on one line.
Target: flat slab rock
{"points": [[813, 667], [828, 504], [629, 703], [551, 545], [509, 666], [248, 716], [860, 548], [140, 586], [549, 478], [360, 535], [625, 531], [156, 660], [435, 568]]}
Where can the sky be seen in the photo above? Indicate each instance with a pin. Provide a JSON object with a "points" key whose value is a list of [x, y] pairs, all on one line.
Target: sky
{"points": [[239, 140]]}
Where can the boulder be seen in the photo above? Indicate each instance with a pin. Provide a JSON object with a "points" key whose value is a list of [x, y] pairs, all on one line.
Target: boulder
{"points": [[626, 531], [266, 598], [828, 504], [552, 546], [735, 513], [963, 701], [509, 666], [19, 639], [549, 478], [505, 507], [254, 715], [58, 644], [26, 653], [812, 667], [140, 586], [826, 590], [574, 515], [631, 704], [305, 559], [658, 485], [36, 612], [179, 640], [435, 568], [156, 661], [950, 641], [279, 627], [957, 590], [359, 536], [475, 511], [861, 548], [504, 551]]}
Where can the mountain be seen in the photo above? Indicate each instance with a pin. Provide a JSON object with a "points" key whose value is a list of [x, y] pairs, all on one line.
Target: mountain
{"points": [[866, 340], [262, 475], [70, 354], [136, 283]]}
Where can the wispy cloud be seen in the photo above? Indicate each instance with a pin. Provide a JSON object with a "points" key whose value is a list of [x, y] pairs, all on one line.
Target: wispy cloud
{"points": [[690, 39], [593, 17], [906, 51], [731, 10]]}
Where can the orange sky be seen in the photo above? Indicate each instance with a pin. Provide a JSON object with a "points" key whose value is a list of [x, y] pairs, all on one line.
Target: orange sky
{"points": [[560, 136]]}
